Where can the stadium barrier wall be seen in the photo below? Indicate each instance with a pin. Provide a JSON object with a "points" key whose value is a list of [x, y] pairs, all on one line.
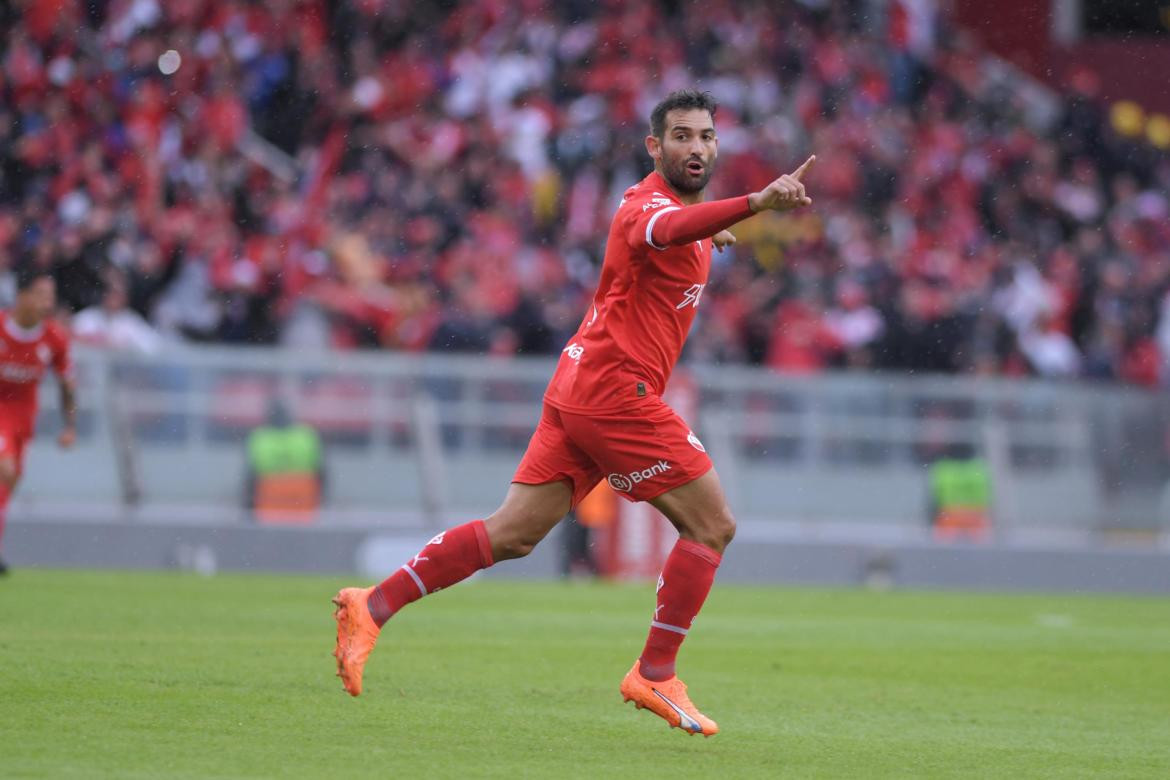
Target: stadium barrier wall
{"points": [[372, 553], [416, 442]]}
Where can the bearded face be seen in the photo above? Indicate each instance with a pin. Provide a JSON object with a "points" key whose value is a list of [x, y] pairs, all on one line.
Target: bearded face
{"points": [[688, 150]]}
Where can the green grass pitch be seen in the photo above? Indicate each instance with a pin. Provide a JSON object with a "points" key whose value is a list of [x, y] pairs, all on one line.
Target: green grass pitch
{"points": [[128, 675]]}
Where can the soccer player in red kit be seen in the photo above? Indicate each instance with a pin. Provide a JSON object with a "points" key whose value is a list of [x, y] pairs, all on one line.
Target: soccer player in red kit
{"points": [[604, 417], [30, 343]]}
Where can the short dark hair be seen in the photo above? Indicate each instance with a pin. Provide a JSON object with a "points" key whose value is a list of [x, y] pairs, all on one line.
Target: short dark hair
{"points": [[684, 99], [27, 275]]}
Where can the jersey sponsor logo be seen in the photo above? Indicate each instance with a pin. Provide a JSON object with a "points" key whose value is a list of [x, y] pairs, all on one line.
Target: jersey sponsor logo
{"points": [[620, 482], [693, 440], [624, 483], [44, 354], [19, 373], [655, 203], [692, 296], [574, 351]]}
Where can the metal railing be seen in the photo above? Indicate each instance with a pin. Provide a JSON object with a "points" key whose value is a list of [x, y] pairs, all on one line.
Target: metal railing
{"points": [[410, 437]]}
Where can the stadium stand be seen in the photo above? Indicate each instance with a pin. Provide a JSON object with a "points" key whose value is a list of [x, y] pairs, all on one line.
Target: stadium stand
{"points": [[439, 176]]}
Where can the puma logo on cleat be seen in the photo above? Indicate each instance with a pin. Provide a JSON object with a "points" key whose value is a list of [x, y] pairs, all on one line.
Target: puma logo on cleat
{"points": [[684, 720]]}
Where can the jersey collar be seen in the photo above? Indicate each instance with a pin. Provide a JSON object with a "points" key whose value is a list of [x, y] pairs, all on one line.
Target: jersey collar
{"points": [[660, 187], [23, 334]]}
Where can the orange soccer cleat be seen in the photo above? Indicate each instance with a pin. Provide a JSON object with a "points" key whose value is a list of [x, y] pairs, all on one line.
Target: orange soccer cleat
{"points": [[356, 635], [668, 700]]}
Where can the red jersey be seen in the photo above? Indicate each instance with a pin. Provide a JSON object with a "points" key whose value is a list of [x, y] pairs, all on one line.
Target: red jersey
{"points": [[647, 298], [24, 356]]}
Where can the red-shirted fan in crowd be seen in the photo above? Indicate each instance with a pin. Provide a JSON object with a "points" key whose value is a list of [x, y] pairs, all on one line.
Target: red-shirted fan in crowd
{"points": [[30, 343], [604, 417]]}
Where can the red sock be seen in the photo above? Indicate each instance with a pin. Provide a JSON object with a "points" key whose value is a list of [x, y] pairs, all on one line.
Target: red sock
{"points": [[450, 557], [686, 579]]}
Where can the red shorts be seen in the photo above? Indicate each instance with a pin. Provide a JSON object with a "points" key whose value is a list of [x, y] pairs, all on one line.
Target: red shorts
{"points": [[643, 452]]}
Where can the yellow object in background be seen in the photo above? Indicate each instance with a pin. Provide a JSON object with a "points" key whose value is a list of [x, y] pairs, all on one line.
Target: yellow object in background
{"points": [[1127, 118], [1158, 130]]}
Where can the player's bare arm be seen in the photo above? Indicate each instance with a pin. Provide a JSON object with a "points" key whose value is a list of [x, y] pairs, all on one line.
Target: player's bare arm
{"points": [[68, 435]]}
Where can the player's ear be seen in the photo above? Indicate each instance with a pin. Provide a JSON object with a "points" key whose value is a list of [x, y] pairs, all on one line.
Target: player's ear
{"points": [[654, 148]]}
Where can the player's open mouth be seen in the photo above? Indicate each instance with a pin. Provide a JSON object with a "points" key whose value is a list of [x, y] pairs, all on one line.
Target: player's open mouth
{"points": [[695, 167]]}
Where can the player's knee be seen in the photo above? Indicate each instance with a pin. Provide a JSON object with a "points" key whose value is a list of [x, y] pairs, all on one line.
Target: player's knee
{"points": [[514, 536], [716, 531], [514, 545], [515, 548], [727, 527]]}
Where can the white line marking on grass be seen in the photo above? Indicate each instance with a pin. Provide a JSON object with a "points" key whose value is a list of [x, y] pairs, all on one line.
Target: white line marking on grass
{"points": [[1048, 620]]}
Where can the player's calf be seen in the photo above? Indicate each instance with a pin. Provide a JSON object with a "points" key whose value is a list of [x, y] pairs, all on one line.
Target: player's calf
{"points": [[448, 558]]}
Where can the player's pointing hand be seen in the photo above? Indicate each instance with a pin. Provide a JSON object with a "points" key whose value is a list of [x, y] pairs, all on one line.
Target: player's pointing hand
{"points": [[785, 193]]}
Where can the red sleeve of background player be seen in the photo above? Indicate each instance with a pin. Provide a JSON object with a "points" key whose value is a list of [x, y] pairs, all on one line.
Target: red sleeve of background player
{"points": [[664, 223]]}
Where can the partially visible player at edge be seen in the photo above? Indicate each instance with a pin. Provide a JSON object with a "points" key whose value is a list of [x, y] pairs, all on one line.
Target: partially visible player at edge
{"points": [[30, 342], [604, 416]]}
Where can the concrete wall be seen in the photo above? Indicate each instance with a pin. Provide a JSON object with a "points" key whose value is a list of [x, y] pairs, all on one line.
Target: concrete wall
{"points": [[371, 553]]}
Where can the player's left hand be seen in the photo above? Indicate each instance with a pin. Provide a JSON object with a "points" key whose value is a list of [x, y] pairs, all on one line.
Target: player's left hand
{"points": [[784, 194], [67, 438], [723, 238]]}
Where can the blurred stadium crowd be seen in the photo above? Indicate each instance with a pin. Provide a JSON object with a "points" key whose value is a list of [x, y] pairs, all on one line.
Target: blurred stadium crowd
{"points": [[441, 175]]}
